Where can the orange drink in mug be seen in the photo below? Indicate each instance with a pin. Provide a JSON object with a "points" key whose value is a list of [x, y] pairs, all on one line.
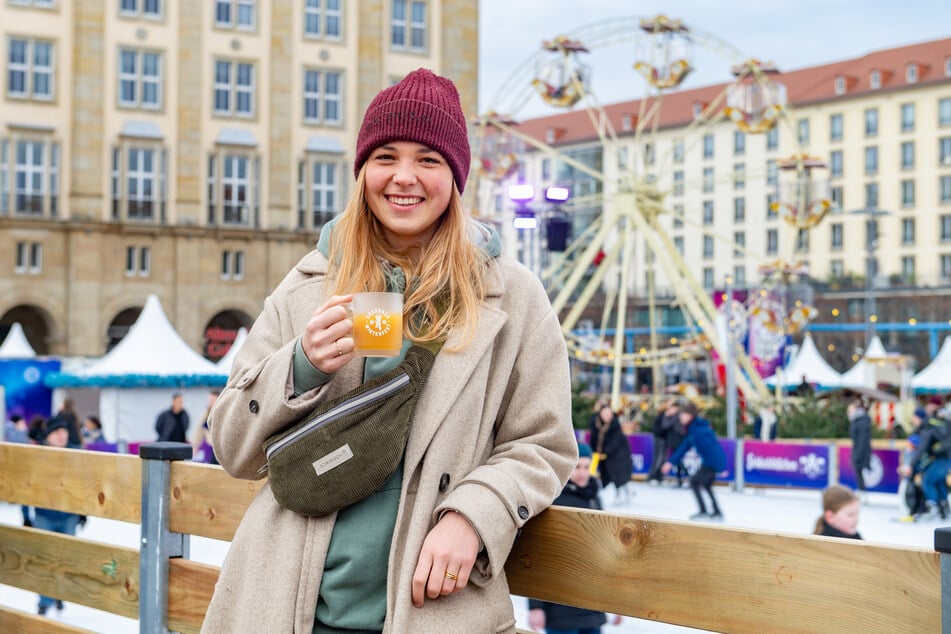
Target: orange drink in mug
{"points": [[377, 324]]}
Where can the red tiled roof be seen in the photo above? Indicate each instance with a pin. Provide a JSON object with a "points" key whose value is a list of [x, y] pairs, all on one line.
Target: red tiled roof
{"points": [[803, 86]]}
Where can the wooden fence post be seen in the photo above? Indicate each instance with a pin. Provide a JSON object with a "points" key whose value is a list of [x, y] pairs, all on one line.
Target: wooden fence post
{"points": [[942, 543], [158, 543]]}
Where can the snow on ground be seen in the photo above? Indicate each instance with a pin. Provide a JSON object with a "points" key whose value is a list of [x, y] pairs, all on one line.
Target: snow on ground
{"points": [[781, 510]]}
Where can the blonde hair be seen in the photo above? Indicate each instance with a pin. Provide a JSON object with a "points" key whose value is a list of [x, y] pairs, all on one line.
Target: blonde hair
{"points": [[833, 499], [445, 280]]}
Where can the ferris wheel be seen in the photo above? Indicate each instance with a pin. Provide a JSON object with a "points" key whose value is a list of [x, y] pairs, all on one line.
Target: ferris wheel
{"points": [[635, 201]]}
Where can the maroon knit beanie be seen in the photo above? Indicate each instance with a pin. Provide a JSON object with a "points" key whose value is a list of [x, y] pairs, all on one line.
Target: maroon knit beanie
{"points": [[424, 108]]}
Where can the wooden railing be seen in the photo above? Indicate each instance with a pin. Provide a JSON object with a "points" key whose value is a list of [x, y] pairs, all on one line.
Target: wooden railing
{"points": [[709, 577]]}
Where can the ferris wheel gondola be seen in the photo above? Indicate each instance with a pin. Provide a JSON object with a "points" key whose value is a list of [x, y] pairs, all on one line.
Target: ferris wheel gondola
{"points": [[561, 78]]}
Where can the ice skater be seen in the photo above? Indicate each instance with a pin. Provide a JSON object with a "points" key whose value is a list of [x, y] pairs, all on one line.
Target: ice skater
{"points": [[700, 436]]}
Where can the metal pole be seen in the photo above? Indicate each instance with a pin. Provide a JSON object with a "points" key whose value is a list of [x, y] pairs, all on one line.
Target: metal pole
{"points": [[731, 401], [870, 238], [942, 544], [158, 543]]}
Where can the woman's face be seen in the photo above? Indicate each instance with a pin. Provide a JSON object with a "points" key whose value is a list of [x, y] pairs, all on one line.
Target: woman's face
{"points": [[846, 519], [408, 187]]}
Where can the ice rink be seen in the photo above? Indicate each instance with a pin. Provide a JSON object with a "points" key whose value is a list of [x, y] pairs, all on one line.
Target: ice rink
{"points": [[778, 510]]}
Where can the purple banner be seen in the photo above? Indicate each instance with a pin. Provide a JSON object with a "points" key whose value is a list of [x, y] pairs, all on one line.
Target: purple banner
{"points": [[786, 465], [25, 392], [882, 474]]}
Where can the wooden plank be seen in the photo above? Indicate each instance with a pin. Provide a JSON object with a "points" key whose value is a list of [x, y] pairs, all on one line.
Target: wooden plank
{"points": [[208, 502], [16, 621], [73, 480], [722, 579], [190, 586], [77, 570]]}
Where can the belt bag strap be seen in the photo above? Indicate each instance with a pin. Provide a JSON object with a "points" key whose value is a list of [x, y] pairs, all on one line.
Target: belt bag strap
{"points": [[349, 446]]}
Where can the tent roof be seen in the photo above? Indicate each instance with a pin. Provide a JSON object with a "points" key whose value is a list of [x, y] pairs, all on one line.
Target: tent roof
{"points": [[808, 362], [855, 376], [225, 362], [16, 346], [937, 374], [151, 354]]}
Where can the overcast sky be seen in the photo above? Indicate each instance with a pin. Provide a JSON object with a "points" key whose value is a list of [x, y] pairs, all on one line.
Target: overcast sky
{"points": [[791, 33]]}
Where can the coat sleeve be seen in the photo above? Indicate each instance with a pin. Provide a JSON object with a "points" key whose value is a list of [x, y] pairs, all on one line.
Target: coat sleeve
{"points": [[534, 449]]}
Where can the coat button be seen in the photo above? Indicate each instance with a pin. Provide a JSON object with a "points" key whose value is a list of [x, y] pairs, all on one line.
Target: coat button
{"points": [[523, 512], [444, 483], [253, 406]]}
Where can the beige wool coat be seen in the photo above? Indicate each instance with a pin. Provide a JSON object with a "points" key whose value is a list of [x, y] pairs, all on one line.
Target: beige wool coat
{"points": [[491, 438]]}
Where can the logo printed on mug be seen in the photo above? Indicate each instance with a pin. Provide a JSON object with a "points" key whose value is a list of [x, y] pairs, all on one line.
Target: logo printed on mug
{"points": [[378, 322]]}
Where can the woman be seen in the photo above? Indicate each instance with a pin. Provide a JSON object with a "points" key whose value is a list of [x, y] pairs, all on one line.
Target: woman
{"points": [[490, 443], [609, 440]]}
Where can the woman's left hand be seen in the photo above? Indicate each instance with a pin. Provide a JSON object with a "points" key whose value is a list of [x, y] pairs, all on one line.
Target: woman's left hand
{"points": [[446, 559]]}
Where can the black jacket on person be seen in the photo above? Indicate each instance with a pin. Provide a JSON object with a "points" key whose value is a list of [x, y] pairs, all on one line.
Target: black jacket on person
{"points": [[932, 443], [171, 426], [566, 617], [617, 467], [860, 431], [831, 531]]}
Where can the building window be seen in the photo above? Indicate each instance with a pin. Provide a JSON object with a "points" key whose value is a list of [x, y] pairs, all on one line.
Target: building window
{"points": [[875, 80], [679, 244], [627, 123], [708, 247], [408, 25], [835, 127], [837, 199], [707, 146], [139, 177], [234, 195], [739, 175], [944, 189], [944, 112], [708, 277], [839, 85], [871, 195], [739, 242], [908, 268], [772, 138], [944, 150], [772, 207], [739, 276], [29, 258], [235, 14], [707, 179], [29, 177], [802, 131], [945, 265], [911, 73], [678, 182], [708, 212], [908, 193], [319, 190], [140, 79], [907, 155], [39, 4], [944, 228], [802, 241], [140, 8], [871, 160], [836, 269], [678, 151], [322, 97], [234, 88], [871, 122], [30, 69], [678, 216], [739, 142], [835, 163], [232, 265], [908, 117], [323, 21], [836, 236], [739, 210], [772, 241], [138, 261], [772, 172], [908, 231], [947, 67]]}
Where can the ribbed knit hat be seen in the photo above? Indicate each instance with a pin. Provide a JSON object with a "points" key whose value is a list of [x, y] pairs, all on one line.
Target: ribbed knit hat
{"points": [[424, 108]]}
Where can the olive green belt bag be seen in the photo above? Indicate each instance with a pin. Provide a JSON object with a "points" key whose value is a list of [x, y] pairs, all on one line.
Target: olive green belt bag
{"points": [[347, 447]]}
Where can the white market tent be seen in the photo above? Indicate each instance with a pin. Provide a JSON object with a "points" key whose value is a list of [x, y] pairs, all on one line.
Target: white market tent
{"points": [[862, 374], [16, 346], [810, 363], [224, 363], [138, 376], [936, 376]]}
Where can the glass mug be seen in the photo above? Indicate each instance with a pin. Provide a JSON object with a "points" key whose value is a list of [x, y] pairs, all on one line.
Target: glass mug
{"points": [[377, 324]]}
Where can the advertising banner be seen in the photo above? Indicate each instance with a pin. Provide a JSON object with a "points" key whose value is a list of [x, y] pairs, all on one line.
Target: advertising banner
{"points": [[25, 393], [882, 475], [786, 465]]}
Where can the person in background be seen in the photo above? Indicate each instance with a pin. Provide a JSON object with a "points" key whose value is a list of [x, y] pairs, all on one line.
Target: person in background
{"points": [[201, 440], [840, 513], [804, 389], [56, 435], [860, 431], [930, 459], [92, 430], [764, 428], [172, 424], [616, 464], [700, 436], [668, 418], [67, 412], [580, 492], [490, 441], [15, 430]]}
